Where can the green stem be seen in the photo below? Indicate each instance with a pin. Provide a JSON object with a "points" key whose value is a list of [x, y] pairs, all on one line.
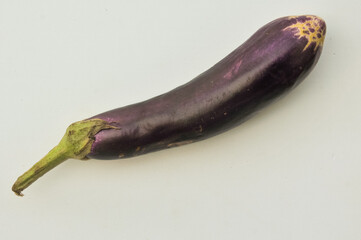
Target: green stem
{"points": [[51, 160], [76, 143]]}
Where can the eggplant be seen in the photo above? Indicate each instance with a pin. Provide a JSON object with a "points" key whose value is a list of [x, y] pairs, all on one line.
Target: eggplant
{"points": [[268, 65]]}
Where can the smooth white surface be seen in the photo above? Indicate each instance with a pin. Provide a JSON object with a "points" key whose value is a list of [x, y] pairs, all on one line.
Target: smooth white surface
{"points": [[292, 172]]}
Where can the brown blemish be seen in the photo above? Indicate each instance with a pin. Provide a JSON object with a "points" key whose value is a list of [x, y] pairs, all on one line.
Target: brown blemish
{"points": [[177, 144], [121, 155], [138, 149]]}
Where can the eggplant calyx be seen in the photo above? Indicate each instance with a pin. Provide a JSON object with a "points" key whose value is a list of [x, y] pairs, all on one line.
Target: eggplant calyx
{"points": [[76, 143]]}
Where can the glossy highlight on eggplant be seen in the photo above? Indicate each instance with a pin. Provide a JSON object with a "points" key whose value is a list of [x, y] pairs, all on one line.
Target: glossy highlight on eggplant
{"points": [[268, 65]]}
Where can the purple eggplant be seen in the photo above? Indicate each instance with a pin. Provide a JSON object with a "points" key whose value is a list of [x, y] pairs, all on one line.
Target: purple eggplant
{"points": [[269, 64]]}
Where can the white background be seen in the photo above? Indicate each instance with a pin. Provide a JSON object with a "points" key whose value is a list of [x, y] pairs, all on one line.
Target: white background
{"points": [[291, 172]]}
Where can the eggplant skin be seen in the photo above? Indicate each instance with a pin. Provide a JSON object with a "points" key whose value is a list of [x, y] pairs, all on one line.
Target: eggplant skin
{"points": [[269, 64]]}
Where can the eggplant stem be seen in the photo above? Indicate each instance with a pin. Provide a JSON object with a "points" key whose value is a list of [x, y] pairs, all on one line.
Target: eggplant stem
{"points": [[76, 143], [51, 160]]}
